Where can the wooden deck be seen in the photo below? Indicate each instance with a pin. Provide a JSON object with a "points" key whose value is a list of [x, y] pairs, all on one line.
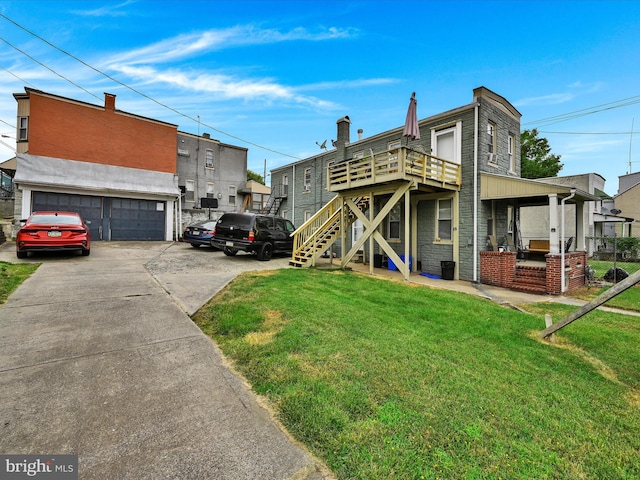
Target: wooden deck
{"points": [[397, 164]]}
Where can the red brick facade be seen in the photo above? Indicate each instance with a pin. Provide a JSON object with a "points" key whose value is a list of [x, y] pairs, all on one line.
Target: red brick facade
{"points": [[499, 268], [63, 128]]}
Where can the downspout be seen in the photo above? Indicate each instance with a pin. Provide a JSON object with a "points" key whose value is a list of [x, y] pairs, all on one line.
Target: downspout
{"points": [[563, 285], [293, 196], [475, 195]]}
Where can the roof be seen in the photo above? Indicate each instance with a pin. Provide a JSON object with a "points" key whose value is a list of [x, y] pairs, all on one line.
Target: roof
{"points": [[255, 187], [9, 164], [502, 187]]}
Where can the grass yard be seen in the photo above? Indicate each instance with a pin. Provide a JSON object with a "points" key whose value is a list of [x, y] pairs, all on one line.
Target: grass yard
{"points": [[601, 267], [385, 380], [12, 275]]}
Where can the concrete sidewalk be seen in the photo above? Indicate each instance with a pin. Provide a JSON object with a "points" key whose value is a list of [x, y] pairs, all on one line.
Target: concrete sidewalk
{"points": [[98, 359]]}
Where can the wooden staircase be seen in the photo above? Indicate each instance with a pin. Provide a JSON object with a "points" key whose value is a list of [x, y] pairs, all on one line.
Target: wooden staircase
{"points": [[321, 231], [530, 279]]}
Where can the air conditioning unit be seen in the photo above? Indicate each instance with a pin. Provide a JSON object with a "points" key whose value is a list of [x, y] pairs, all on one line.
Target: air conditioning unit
{"points": [[492, 157]]}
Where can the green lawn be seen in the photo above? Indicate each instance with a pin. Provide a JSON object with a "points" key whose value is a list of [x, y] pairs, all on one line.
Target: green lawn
{"points": [[601, 267], [12, 275], [384, 380]]}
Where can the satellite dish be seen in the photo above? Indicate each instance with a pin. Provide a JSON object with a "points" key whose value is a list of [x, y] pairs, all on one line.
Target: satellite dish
{"points": [[323, 145], [615, 211]]}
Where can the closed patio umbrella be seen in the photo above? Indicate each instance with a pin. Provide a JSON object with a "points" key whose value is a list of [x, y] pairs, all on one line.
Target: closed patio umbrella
{"points": [[411, 129]]}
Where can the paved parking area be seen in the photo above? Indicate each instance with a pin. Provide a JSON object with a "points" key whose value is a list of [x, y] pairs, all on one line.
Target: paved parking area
{"points": [[98, 357]]}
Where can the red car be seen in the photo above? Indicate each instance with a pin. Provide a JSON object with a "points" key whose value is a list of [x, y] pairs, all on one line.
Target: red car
{"points": [[53, 231]]}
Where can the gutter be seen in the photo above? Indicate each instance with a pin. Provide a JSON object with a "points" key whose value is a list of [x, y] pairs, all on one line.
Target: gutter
{"points": [[475, 195]]}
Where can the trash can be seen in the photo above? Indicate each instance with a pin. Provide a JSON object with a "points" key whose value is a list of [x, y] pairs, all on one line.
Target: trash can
{"points": [[448, 270], [377, 260]]}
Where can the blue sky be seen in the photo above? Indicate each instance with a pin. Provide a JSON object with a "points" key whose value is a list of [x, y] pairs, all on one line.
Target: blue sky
{"points": [[275, 76]]}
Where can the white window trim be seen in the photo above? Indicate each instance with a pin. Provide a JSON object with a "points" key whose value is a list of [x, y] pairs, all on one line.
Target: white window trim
{"points": [[191, 183], [307, 175], [437, 239], [232, 188], [511, 145], [456, 128], [397, 239], [206, 155]]}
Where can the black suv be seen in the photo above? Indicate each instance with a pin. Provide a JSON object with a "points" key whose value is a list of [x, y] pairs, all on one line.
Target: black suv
{"points": [[263, 235]]}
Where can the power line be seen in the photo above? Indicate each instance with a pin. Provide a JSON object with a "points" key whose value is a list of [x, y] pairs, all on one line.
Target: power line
{"points": [[50, 69], [589, 133], [134, 90], [586, 111]]}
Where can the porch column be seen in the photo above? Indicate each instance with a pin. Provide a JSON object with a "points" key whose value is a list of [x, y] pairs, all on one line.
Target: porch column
{"points": [[580, 238], [407, 243], [554, 231]]}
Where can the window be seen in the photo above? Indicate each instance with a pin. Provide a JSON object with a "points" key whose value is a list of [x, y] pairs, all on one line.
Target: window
{"points": [[285, 185], [210, 189], [491, 142], [394, 223], [307, 215], [359, 154], [232, 195], [510, 147], [209, 159], [23, 128], [190, 193], [444, 219], [446, 142], [307, 179]]}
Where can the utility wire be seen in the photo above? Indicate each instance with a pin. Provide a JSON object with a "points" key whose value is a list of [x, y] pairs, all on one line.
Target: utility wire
{"points": [[132, 89], [48, 68], [586, 111]]}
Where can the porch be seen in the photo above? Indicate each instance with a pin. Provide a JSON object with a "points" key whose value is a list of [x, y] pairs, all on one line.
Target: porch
{"points": [[398, 164], [503, 269], [368, 188]]}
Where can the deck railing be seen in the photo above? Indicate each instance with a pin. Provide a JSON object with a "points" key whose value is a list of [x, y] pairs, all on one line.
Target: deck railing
{"points": [[394, 164]]}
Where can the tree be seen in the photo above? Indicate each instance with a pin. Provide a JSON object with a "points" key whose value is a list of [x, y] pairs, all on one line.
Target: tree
{"points": [[537, 159], [251, 175]]}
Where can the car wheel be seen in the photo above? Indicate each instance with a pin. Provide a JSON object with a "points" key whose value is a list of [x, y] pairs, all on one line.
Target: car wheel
{"points": [[20, 254], [195, 245], [230, 252], [86, 252], [266, 252]]}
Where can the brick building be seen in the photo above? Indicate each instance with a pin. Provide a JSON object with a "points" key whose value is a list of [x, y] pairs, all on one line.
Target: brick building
{"points": [[116, 169]]}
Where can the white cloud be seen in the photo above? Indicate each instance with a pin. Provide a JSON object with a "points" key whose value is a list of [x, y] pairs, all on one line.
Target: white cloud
{"points": [[184, 46], [551, 99], [224, 86], [107, 11]]}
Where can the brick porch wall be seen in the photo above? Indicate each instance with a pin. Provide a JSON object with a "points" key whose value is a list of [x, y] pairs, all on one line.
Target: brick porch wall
{"points": [[575, 263], [497, 268]]}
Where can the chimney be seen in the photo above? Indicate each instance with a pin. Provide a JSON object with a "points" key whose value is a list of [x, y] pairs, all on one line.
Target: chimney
{"points": [[206, 135], [109, 102], [360, 132], [344, 125]]}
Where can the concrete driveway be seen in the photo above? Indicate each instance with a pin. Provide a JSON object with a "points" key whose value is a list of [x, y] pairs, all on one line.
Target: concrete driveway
{"points": [[98, 357]]}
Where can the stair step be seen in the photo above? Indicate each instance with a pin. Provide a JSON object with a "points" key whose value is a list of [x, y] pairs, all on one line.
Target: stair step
{"points": [[529, 288]]}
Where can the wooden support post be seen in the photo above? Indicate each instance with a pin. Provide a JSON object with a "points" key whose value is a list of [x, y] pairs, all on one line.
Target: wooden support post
{"points": [[617, 289], [548, 322]]}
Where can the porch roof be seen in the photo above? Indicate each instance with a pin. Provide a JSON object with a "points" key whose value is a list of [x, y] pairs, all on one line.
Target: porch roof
{"points": [[502, 187]]}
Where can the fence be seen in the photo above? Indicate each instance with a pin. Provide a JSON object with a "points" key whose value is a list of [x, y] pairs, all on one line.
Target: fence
{"points": [[613, 258]]}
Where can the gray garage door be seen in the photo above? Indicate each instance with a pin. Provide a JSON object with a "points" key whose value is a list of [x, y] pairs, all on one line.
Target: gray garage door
{"points": [[111, 218]]}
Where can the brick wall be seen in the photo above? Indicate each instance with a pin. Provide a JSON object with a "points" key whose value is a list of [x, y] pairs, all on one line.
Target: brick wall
{"points": [[62, 128], [498, 268], [575, 263]]}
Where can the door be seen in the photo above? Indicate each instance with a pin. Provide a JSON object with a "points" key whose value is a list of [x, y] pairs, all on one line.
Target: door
{"points": [[89, 208], [136, 219]]}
